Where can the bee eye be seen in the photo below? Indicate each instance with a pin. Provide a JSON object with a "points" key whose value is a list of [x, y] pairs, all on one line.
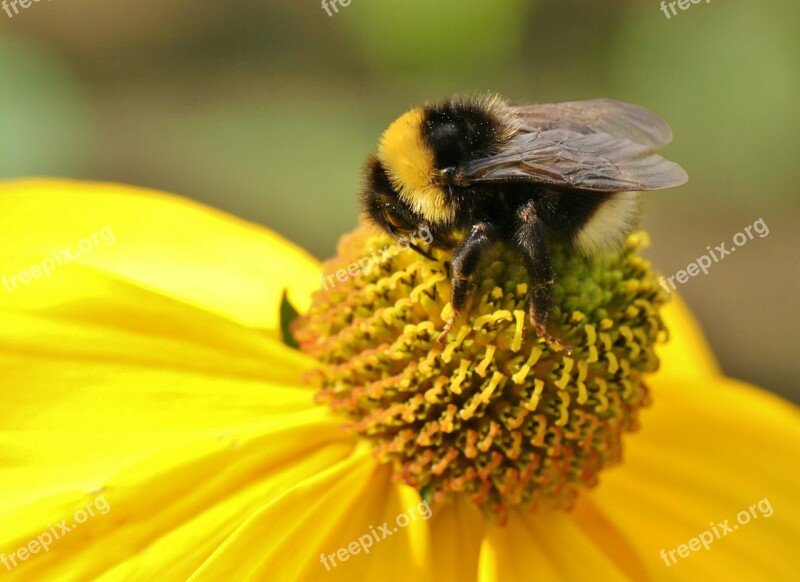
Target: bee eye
{"points": [[397, 224], [448, 173]]}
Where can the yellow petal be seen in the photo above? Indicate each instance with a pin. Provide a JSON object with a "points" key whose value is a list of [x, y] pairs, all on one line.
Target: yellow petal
{"points": [[456, 533], [118, 367], [328, 514], [180, 420], [709, 450], [545, 545], [167, 514], [102, 320], [163, 243], [687, 352]]}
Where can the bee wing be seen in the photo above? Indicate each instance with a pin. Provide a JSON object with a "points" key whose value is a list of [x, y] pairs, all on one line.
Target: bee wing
{"points": [[595, 116], [592, 161]]}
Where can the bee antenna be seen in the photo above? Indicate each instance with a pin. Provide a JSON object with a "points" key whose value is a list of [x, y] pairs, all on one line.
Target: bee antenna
{"points": [[424, 253]]}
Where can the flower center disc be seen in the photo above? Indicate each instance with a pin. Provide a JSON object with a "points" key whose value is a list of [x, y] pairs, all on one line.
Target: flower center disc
{"points": [[493, 412]]}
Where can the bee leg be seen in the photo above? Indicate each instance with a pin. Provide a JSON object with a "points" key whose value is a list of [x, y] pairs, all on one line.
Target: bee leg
{"points": [[531, 241], [463, 264]]}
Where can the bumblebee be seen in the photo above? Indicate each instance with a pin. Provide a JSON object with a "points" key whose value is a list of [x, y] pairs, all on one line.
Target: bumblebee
{"points": [[477, 171]]}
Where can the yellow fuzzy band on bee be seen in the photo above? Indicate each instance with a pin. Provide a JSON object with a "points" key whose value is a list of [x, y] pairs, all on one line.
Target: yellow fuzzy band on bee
{"points": [[430, 203], [409, 163]]}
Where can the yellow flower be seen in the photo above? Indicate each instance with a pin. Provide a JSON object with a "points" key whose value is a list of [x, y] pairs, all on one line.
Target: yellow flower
{"points": [[155, 426]]}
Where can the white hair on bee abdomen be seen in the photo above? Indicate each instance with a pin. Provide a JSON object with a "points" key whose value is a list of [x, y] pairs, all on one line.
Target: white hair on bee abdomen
{"points": [[608, 227]]}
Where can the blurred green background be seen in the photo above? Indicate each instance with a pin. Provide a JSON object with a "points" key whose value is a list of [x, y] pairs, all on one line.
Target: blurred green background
{"points": [[266, 109]]}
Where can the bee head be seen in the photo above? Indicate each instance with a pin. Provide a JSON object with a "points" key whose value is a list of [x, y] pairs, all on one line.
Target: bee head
{"points": [[381, 203], [425, 149]]}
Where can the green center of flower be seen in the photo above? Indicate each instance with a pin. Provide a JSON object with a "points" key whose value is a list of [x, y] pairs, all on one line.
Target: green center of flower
{"points": [[493, 412]]}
